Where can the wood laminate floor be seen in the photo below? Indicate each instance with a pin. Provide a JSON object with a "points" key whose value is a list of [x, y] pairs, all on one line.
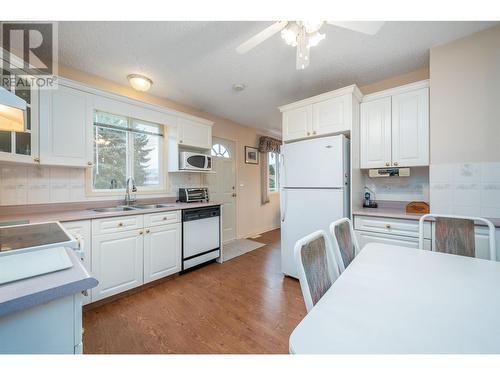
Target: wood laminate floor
{"points": [[244, 305]]}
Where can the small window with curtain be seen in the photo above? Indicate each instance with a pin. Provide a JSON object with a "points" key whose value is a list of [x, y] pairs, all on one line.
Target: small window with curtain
{"points": [[273, 171], [126, 147]]}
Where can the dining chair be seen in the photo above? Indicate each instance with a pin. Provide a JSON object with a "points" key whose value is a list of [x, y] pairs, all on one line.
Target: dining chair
{"points": [[455, 234], [344, 239], [317, 266]]}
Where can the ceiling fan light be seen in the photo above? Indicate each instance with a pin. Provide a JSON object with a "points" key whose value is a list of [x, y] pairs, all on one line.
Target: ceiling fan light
{"points": [[290, 33], [312, 26], [314, 39]]}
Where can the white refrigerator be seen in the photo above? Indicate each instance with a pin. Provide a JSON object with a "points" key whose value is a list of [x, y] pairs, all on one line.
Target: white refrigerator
{"points": [[314, 190]]}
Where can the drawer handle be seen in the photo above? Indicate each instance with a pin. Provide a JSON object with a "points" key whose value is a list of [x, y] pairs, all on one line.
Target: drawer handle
{"points": [[387, 226], [120, 224]]}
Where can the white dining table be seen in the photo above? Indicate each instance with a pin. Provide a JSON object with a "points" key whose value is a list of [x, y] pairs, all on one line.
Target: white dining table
{"points": [[393, 300]]}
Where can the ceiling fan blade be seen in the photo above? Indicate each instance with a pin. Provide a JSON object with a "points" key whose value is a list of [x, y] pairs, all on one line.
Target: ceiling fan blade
{"points": [[260, 37], [365, 27]]}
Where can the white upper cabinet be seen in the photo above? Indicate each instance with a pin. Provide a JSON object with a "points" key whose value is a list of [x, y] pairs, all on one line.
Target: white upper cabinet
{"points": [[297, 123], [325, 114], [194, 134], [395, 127], [376, 133], [410, 128], [65, 127], [332, 116]]}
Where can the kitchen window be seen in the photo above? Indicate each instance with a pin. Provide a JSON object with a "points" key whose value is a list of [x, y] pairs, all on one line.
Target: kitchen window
{"points": [[273, 171], [126, 147]]}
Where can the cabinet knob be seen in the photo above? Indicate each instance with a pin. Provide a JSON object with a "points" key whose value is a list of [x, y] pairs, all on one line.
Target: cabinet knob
{"points": [[147, 231], [387, 226], [89, 163], [387, 164], [396, 163], [180, 141], [164, 218], [36, 160], [314, 132], [141, 232], [308, 134], [120, 224]]}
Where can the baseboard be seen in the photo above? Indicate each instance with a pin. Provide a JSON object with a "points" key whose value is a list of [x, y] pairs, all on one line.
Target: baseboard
{"points": [[252, 234]]}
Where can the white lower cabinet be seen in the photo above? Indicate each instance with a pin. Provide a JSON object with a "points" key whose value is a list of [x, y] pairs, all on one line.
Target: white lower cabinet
{"points": [[117, 262], [389, 239], [124, 259], [81, 230], [162, 251]]}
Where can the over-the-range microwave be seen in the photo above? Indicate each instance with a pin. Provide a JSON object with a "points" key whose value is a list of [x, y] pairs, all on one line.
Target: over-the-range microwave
{"points": [[194, 161]]}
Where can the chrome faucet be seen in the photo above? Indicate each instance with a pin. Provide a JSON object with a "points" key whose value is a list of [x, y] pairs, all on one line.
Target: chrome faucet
{"points": [[128, 198]]}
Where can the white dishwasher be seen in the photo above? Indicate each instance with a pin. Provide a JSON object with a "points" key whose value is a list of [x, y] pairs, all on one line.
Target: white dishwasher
{"points": [[200, 235]]}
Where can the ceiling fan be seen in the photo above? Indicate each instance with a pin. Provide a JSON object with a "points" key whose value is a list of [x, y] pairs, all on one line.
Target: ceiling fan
{"points": [[305, 34]]}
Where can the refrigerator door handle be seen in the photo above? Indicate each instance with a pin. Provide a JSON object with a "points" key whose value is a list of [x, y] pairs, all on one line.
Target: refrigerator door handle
{"points": [[283, 196]]}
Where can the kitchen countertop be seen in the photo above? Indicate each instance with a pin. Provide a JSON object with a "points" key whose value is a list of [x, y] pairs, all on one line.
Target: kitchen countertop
{"points": [[24, 294], [396, 210], [68, 214]]}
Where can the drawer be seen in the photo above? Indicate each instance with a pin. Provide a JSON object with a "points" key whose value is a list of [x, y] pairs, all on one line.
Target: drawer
{"points": [[389, 239], [117, 224], [161, 218], [400, 227]]}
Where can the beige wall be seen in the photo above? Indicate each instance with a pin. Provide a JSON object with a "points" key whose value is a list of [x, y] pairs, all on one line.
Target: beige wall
{"points": [[465, 99], [252, 217], [403, 79]]}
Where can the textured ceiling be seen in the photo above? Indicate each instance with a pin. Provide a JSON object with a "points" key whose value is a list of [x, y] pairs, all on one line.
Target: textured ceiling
{"points": [[195, 63]]}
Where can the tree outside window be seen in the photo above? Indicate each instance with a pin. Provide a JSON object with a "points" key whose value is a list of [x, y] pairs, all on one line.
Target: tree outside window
{"points": [[273, 171], [126, 147]]}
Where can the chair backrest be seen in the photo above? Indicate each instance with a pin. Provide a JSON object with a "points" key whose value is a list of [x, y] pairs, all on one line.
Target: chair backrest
{"points": [[456, 234], [344, 241], [317, 266]]}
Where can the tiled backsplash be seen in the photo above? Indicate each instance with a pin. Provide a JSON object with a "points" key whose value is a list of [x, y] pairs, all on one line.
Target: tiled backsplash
{"points": [[20, 184], [466, 189], [413, 188]]}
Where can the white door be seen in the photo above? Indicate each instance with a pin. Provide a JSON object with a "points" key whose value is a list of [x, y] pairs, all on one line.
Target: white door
{"points": [[222, 185], [332, 116], [297, 123], [81, 230], [314, 163], [117, 262], [367, 237], [304, 211], [410, 128], [66, 127], [376, 133], [162, 251], [195, 134]]}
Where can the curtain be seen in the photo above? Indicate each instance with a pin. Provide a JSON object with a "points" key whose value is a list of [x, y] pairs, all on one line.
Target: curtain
{"points": [[266, 145]]}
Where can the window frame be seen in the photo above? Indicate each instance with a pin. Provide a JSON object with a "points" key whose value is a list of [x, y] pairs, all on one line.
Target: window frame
{"points": [[162, 155], [277, 173]]}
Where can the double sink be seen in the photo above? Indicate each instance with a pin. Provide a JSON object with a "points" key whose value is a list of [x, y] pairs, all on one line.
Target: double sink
{"points": [[132, 208]]}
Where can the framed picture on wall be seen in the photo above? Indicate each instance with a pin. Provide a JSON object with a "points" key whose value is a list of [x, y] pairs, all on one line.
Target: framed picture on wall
{"points": [[251, 155]]}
